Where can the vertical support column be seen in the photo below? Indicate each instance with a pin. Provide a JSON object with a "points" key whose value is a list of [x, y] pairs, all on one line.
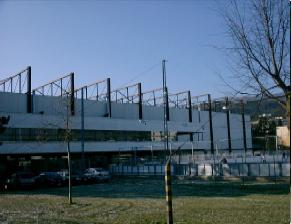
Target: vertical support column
{"points": [[228, 123], [244, 126], [11, 85], [190, 113], [139, 101], [19, 83], [167, 104], [210, 124], [28, 93], [72, 97], [109, 98], [32, 101], [190, 106]]}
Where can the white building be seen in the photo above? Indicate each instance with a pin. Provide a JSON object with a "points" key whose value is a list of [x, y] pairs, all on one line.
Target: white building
{"points": [[115, 121]]}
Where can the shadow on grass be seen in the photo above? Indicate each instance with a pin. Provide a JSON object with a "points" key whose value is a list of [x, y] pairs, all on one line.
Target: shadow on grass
{"points": [[153, 187]]}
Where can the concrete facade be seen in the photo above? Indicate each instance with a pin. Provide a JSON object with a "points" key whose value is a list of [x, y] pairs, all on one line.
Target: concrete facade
{"points": [[50, 112]]}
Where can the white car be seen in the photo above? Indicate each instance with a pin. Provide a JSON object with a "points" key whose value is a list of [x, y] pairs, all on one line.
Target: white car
{"points": [[97, 174]]}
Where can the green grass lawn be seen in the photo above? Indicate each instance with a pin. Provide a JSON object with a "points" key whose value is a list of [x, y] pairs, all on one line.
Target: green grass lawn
{"points": [[141, 200]]}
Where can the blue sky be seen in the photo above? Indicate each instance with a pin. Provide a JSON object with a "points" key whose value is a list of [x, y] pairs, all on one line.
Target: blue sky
{"points": [[117, 39]]}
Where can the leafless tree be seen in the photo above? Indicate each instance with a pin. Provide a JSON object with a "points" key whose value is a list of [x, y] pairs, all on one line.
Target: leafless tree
{"points": [[260, 48], [62, 123]]}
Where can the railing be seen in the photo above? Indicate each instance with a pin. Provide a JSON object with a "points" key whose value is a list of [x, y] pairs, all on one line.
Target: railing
{"points": [[218, 169]]}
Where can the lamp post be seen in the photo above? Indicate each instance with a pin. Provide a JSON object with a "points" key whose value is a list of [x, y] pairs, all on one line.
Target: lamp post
{"points": [[168, 181]]}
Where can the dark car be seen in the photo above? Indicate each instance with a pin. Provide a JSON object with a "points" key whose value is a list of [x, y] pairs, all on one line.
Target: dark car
{"points": [[49, 179], [21, 180]]}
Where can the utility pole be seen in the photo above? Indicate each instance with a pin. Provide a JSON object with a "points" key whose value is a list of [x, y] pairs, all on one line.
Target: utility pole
{"points": [[165, 99], [168, 182]]}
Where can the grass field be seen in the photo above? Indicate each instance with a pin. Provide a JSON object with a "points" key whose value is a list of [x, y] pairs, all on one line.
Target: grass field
{"points": [[141, 201]]}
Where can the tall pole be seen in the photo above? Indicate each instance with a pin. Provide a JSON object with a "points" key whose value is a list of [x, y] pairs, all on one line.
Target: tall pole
{"points": [[228, 123], [168, 183], [82, 129], [165, 96]]}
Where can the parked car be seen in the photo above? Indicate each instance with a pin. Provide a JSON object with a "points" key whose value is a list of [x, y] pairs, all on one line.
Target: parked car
{"points": [[21, 180], [49, 179], [77, 177], [97, 175]]}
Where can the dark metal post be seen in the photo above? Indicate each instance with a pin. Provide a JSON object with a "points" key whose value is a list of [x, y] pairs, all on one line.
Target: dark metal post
{"points": [[168, 189], [228, 123], [166, 109], [210, 124], [28, 93], [190, 112], [244, 126], [139, 101], [190, 106], [82, 129], [168, 186], [72, 97], [167, 104], [109, 98]]}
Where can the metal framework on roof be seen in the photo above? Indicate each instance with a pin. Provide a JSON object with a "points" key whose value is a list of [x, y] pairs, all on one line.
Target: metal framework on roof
{"points": [[200, 102], [59, 87], [179, 100], [18, 83], [127, 94], [95, 91], [153, 97]]}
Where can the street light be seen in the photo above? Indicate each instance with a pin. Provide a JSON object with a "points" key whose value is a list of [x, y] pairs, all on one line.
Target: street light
{"points": [[168, 181]]}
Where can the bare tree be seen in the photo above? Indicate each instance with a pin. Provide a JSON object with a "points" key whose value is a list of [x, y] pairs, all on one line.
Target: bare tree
{"points": [[260, 48]]}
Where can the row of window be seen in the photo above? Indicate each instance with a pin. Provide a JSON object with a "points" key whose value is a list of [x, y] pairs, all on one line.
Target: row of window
{"points": [[37, 134]]}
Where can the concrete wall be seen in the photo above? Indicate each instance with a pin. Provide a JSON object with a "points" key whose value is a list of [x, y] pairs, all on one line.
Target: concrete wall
{"points": [[13, 102], [92, 108]]}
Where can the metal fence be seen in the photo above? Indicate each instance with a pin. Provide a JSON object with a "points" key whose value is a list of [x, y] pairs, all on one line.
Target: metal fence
{"points": [[206, 169]]}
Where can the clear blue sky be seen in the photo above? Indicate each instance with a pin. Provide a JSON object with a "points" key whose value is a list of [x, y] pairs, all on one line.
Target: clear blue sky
{"points": [[117, 39]]}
